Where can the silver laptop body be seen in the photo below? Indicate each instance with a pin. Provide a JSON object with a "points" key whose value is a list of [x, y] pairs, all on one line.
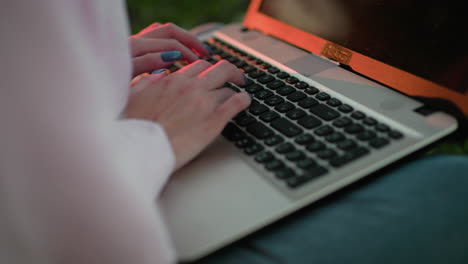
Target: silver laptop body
{"points": [[224, 194]]}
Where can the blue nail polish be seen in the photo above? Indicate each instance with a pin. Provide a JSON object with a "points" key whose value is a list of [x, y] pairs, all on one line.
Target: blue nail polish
{"points": [[245, 80], [158, 71], [171, 55], [208, 48], [251, 97]]}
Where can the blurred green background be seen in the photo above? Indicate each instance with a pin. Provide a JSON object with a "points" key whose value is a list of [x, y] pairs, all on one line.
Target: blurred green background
{"points": [[188, 14]]}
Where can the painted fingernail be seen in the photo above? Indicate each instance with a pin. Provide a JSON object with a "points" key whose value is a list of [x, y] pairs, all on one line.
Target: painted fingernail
{"points": [[171, 55], [158, 71], [251, 97], [208, 48], [245, 80]]}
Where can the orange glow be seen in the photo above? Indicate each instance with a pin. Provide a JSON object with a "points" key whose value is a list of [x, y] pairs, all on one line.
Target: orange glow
{"points": [[405, 82]]}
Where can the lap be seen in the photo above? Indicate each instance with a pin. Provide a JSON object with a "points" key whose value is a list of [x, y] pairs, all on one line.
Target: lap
{"points": [[415, 213]]}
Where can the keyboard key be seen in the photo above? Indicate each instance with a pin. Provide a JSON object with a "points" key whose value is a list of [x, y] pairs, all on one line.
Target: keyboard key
{"points": [[306, 164], [324, 130], [264, 157], [395, 134], [275, 84], [311, 90], [259, 130], [233, 133], [245, 142], [282, 75], [285, 148], [369, 121], [292, 80], [315, 146], [285, 90], [265, 79], [269, 116], [263, 94], [249, 69], [296, 96], [284, 107], [258, 109], [301, 85], [240, 64], [286, 127], [358, 115], [335, 137], [248, 82], [274, 165], [326, 154], [322, 96], [296, 113], [354, 129], [253, 149], [253, 88], [349, 156], [265, 66], [273, 70], [295, 155], [366, 135], [284, 173], [325, 112], [382, 128], [309, 122], [308, 175], [304, 139], [342, 122], [347, 144], [256, 74], [345, 108], [334, 102], [274, 140], [245, 120], [307, 102], [378, 142], [274, 100]]}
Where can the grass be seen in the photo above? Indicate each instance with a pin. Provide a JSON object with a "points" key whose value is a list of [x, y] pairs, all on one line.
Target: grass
{"points": [[188, 14]]}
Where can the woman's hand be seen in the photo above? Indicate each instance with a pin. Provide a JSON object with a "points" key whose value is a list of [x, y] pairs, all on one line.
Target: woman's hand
{"points": [[189, 104], [158, 46]]}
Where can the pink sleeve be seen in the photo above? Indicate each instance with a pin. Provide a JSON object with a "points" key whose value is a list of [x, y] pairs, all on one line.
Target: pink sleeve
{"points": [[77, 185]]}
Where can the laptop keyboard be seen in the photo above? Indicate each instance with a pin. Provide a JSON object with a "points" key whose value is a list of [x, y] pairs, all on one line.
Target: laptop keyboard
{"points": [[295, 131]]}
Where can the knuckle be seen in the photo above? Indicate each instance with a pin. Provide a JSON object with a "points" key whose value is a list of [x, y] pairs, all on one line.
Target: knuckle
{"points": [[203, 63]]}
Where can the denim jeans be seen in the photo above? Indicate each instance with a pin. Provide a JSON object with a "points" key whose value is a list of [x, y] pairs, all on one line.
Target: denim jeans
{"points": [[417, 213]]}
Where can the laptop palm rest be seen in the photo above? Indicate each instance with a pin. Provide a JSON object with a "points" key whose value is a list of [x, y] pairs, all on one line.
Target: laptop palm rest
{"points": [[217, 199]]}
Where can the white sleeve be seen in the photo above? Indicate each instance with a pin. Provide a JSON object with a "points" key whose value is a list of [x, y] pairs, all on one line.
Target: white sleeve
{"points": [[77, 184]]}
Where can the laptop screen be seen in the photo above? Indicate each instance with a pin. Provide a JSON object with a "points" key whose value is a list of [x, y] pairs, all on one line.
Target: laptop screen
{"points": [[426, 38]]}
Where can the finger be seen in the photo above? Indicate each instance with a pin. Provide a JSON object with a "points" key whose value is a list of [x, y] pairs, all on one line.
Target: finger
{"points": [[143, 80], [221, 72], [194, 69], [170, 30], [151, 61], [142, 46], [221, 95], [147, 29], [228, 110]]}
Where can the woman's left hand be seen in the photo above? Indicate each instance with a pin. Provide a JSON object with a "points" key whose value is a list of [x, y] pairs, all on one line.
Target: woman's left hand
{"points": [[158, 46]]}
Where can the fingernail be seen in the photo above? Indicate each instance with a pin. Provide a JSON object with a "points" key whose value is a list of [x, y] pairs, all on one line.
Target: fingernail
{"points": [[245, 80], [171, 55], [208, 48], [251, 97], [158, 71]]}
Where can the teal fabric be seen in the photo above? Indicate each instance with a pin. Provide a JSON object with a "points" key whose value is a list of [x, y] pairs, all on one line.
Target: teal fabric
{"points": [[414, 214]]}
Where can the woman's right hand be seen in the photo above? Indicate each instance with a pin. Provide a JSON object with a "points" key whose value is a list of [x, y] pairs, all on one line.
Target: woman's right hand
{"points": [[189, 104]]}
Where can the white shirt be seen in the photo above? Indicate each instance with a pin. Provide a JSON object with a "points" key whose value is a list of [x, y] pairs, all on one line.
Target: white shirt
{"points": [[77, 183]]}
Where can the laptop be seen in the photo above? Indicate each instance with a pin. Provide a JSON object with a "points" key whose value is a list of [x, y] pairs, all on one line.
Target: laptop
{"points": [[333, 85]]}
